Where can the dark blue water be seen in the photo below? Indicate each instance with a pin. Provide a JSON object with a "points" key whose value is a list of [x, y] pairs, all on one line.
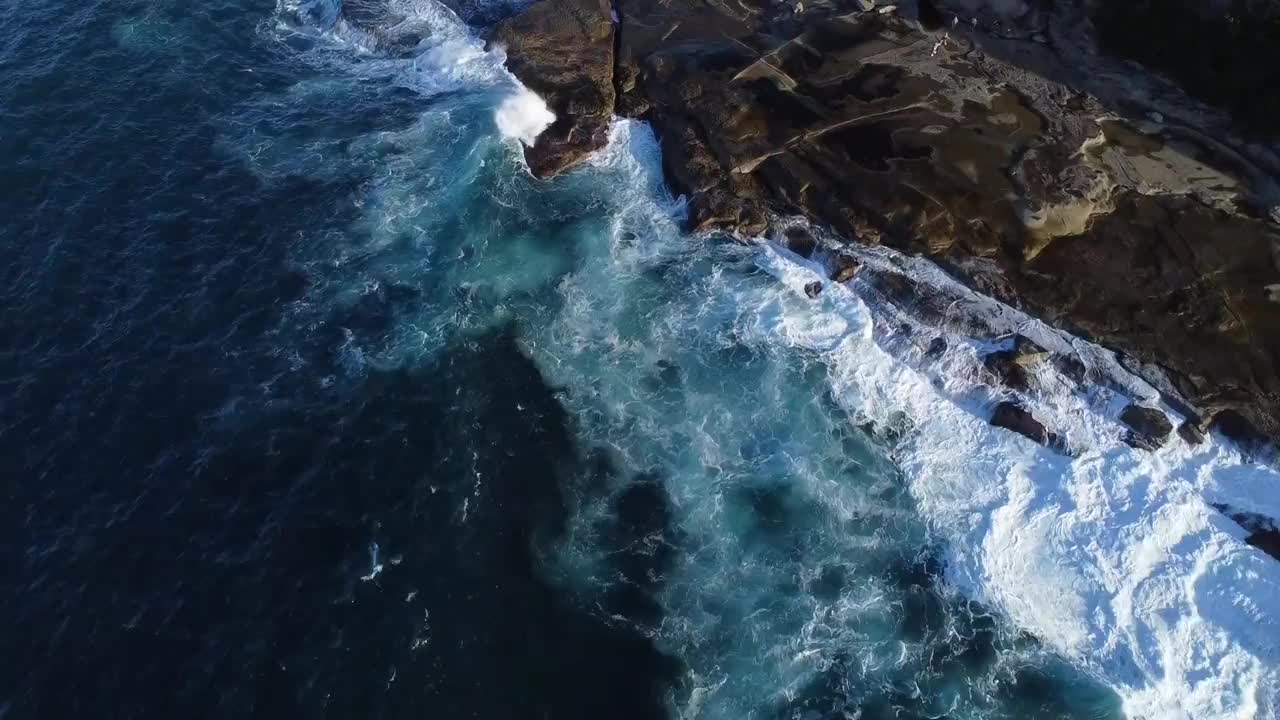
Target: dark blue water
{"points": [[286, 433]]}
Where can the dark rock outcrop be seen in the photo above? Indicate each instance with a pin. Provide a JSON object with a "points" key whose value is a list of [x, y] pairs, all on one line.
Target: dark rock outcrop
{"points": [[813, 289], [1191, 434], [563, 50], [844, 268], [1012, 416], [1264, 532], [1012, 150], [800, 242], [1013, 366], [1148, 427]]}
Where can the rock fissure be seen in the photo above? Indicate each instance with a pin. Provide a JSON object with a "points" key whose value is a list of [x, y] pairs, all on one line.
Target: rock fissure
{"points": [[1018, 154]]}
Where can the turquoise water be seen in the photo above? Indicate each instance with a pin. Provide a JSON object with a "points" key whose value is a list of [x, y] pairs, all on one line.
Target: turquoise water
{"points": [[321, 405]]}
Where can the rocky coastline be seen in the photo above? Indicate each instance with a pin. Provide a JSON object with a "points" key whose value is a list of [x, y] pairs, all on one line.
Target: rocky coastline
{"points": [[1026, 147]]}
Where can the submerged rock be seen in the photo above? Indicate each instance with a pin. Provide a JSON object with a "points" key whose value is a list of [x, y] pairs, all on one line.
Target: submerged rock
{"points": [[937, 347], [1148, 427]]}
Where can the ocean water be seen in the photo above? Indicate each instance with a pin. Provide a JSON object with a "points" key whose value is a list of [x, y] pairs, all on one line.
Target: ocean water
{"points": [[316, 404]]}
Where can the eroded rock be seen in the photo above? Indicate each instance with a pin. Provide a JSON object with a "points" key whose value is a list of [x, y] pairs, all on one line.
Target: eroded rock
{"points": [[1012, 416], [1149, 428], [1057, 178], [844, 268], [563, 51], [1014, 367]]}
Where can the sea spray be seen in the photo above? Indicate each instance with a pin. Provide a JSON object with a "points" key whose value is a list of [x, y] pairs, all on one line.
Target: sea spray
{"points": [[523, 116], [705, 365], [1114, 556]]}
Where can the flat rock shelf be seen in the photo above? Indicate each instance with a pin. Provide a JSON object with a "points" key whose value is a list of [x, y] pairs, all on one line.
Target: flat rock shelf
{"points": [[1018, 145]]}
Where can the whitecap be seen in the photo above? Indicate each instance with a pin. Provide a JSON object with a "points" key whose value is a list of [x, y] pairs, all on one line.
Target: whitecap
{"points": [[523, 115]]}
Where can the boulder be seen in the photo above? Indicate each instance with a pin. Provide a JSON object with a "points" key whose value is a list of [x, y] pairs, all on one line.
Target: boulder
{"points": [[1190, 433], [813, 289], [563, 51], [844, 268], [1148, 427], [1012, 416], [1013, 367], [800, 242]]}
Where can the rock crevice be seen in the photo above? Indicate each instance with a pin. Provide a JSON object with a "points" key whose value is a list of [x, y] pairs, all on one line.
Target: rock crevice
{"points": [[1008, 142]]}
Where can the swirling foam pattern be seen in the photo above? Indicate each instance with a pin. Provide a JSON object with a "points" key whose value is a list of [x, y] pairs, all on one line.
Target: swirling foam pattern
{"points": [[318, 404]]}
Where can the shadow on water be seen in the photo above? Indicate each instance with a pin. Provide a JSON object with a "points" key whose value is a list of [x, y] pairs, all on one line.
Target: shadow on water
{"points": [[641, 543], [456, 473], [967, 653]]}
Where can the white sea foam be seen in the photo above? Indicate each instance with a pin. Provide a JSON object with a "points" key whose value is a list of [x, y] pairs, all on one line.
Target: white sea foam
{"points": [[523, 116], [449, 57], [1115, 557]]}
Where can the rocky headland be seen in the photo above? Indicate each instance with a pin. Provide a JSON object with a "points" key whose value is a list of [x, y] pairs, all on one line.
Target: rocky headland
{"points": [[1110, 168]]}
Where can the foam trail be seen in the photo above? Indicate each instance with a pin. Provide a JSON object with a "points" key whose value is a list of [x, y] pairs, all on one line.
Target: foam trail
{"points": [[1115, 557], [708, 363], [523, 116]]}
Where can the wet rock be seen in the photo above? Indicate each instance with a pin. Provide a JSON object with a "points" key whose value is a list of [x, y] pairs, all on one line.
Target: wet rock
{"points": [[1033, 171], [1070, 367], [1264, 532], [1013, 367], [813, 289], [1028, 351], [563, 51], [1148, 427], [844, 268], [1012, 416], [800, 242], [937, 347], [1190, 433], [1005, 367]]}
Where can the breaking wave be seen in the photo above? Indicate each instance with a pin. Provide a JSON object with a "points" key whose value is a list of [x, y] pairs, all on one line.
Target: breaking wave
{"points": [[829, 523], [523, 116]]}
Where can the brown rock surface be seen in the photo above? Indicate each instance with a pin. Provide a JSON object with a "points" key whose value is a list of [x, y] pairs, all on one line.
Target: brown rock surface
{"points": [[563, 50], [1012, 416], [1010, 149], [1148, 427]]}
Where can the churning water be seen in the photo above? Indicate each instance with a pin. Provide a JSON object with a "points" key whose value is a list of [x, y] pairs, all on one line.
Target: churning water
{"points": [[317, 404]]}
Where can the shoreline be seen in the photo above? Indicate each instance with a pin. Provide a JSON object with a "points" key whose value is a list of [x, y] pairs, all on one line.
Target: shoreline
{"points": [[1143, 227]]}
